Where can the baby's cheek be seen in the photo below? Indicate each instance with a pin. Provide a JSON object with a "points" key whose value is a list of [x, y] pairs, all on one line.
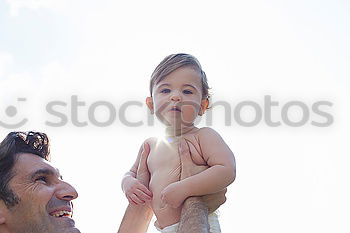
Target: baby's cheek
{"points": [[189, 113]]}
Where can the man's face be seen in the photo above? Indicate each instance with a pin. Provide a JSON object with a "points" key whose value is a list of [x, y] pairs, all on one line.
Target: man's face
{"points": [[45, 199]]}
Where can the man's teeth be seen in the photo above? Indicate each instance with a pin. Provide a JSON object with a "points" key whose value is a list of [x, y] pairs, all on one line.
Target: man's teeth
{"points": [[62, 213]]}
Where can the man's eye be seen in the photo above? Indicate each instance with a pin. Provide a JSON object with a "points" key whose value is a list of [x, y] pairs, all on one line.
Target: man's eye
{"points": [[165, 90], [187, 92], [41, 179]]}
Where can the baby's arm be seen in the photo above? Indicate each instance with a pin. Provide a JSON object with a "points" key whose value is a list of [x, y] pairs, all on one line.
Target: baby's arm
{"points": [[136, 192], [221, 171]]}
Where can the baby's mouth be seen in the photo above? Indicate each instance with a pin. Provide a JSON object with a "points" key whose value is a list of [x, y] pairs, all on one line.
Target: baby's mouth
{"points": [[175, 108]]}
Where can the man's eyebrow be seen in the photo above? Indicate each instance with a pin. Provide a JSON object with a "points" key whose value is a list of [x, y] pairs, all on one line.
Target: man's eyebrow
{"points": [[45, 171], [59, 174]]}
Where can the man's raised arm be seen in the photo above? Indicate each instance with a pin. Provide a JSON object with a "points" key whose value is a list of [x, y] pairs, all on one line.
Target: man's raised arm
{"points": [[194, 214], [137, 217]]}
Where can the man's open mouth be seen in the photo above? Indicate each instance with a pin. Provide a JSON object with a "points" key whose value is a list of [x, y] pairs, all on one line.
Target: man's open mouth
{"points": [[61, 213]]}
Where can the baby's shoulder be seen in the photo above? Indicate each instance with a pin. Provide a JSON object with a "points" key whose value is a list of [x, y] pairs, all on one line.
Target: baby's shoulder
{"points": [[207, 132]]}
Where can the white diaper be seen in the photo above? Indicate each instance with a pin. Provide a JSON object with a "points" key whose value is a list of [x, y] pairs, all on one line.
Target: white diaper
{"points": [[212, 219]]}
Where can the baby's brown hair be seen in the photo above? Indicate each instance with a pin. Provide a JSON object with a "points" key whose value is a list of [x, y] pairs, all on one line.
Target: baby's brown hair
{"points": [[172, 63]]}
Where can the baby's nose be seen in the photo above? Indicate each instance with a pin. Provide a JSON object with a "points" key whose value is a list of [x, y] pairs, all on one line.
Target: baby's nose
{"points": [[176, 97]]}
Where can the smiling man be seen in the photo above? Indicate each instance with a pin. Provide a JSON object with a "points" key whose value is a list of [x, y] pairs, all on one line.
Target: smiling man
{"points": [[33, 196]]}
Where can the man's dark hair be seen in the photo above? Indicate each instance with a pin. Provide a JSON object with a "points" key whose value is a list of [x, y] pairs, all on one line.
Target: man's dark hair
{"points": [[14, 144]]}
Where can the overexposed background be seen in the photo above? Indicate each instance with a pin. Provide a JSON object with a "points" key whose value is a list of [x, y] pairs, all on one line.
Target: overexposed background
{"points": [[289, 179]]}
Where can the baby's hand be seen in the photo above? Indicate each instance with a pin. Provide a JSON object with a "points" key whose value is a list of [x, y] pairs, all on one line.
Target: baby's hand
{"points": [[136, 192], [173, 195]]}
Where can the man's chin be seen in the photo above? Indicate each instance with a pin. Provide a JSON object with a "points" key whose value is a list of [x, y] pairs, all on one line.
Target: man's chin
{"points": [[70, 230], [66, 224], [75, 230]]}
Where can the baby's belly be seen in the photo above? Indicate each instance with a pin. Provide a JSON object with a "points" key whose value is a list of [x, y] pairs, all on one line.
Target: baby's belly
{"points": [[160, 179]]}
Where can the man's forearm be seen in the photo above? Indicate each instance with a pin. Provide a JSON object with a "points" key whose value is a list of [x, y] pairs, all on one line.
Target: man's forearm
{"points": [[136, 219], [194, 216]]}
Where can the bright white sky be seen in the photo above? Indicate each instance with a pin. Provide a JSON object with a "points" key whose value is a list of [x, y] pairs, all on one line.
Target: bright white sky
{"points": [[288, 179]]}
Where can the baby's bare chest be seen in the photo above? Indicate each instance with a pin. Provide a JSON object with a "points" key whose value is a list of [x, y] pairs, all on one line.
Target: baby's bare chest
{"points": [[164, 155]]}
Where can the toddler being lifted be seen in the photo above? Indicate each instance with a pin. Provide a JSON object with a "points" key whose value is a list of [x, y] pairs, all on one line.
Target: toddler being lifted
{"points": [[178, 95]]}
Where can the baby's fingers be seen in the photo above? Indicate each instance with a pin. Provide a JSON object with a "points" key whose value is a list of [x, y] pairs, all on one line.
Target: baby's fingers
{"points": [[131, 201], [145, 190], [135, 199], [142, 196]]}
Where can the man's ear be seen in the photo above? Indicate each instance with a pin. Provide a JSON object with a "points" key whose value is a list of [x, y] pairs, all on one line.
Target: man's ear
{"points": [[2, 219], [204, 106], [3, 210], [149, 103]]}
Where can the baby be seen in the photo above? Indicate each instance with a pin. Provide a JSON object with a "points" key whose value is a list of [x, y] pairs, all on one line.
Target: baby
{"points": [[178, 95]]}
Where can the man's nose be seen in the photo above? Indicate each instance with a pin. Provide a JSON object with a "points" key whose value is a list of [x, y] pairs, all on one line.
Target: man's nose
{"points": [[66, 192]]}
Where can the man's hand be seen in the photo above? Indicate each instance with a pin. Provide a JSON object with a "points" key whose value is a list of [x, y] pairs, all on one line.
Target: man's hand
{"points": [[215, 200], [194, 213], [174, 195], [142, 173], [136, 189], [189, 168]]}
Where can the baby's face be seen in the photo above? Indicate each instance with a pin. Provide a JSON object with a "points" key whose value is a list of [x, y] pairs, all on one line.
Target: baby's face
{"points": [[177, 99]]}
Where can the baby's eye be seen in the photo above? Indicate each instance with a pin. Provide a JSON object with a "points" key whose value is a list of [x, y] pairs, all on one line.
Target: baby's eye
{"points": [[166, 90], [187, 92]]}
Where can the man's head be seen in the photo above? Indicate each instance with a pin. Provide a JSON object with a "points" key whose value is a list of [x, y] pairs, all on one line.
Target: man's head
{"points": [[33, 196]]}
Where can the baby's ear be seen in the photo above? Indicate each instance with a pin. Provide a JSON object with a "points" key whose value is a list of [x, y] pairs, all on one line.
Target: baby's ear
{"points": [[204, 106], [149, 103]]}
